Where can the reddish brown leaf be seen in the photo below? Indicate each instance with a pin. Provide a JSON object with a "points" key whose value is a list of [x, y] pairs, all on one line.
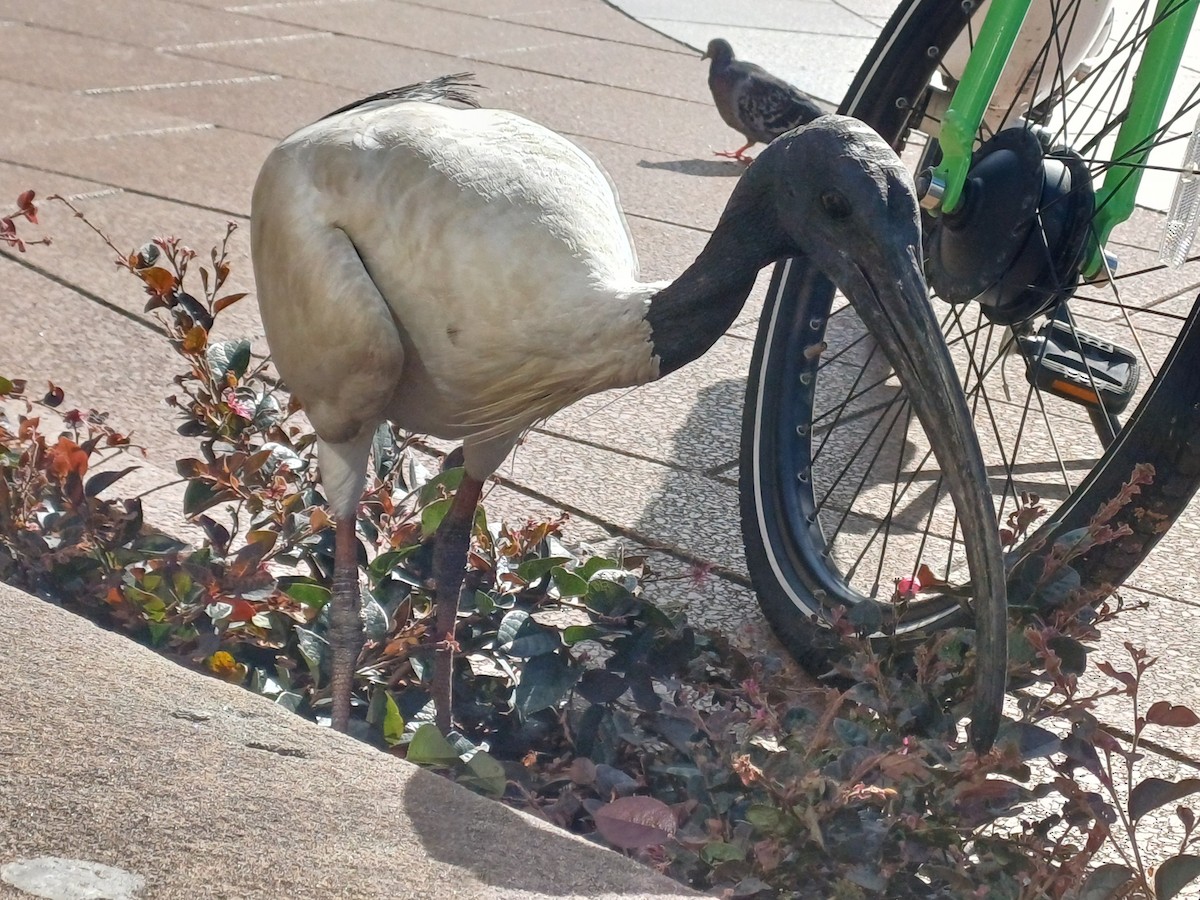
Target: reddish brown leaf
{"points": [[249, 558], [243, 610], [158, 279], [1126, 678], [226, 301], [1151, 793], [1186, 816], [582, 770], [54, 395], [926, 577], [66, 458], [26, 205], [195, 340], [634, 823], [1164, 713]]}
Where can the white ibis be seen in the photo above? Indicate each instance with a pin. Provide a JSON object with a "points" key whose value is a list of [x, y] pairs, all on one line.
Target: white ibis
{"points": [[753, 101], [465, 272]]}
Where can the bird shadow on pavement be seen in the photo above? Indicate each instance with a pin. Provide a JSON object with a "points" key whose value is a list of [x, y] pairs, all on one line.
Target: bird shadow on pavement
{"points": [[709, 168]]}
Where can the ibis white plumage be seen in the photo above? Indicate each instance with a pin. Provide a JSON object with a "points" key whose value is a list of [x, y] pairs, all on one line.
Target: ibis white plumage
{"points": [[466, 272]]}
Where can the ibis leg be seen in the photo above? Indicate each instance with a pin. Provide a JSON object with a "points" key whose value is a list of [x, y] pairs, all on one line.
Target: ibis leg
{"points": [[449, 565], [345, 626]]}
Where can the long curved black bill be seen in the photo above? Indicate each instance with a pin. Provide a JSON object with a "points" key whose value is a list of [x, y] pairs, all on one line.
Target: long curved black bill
{"points": [[898, 314]]}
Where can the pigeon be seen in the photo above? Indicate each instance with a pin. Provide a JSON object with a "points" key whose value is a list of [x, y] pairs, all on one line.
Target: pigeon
{"points": [[753, 101]]}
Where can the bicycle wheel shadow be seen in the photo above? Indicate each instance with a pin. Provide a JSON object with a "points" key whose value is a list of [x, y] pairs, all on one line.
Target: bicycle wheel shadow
{"points": [[696, 509]]}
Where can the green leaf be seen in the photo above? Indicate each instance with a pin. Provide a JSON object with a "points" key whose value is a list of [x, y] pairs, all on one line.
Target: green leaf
{"points": [[384, 563], [1032, 741], [393, 722], [1105, 882], [101, 480], [429, 748], [601, 686], [228, 358], [450, 480], [609, 598], [573, 634], [484, 603], [485, 773], [545, 681], [432, 515], [519, 635], [851, 733], [594, 565], [1151, 793], [568, 583], [312, 648], [764, 818], [159, 631], [157, 544], [719, 851], [308, 594], [1071, 652], [1058, 589], [198, 497], [533, 569], [374, 618], [1175, 874], [282, 455], [866, 616]]}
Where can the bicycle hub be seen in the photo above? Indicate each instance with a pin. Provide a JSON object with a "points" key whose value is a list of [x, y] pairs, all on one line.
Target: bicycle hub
{"points": [[1015, 244]]}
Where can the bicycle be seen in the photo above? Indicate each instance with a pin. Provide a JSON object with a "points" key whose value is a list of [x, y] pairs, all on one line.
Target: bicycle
{"points": [[1028, 195]]}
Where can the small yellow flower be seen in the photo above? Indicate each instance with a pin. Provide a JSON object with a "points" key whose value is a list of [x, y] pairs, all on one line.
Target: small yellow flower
{"points": [[224, 666]]}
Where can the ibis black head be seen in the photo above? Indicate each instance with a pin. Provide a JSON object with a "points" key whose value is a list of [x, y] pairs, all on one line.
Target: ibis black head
{"points": [[719, 52], [841, 197]]}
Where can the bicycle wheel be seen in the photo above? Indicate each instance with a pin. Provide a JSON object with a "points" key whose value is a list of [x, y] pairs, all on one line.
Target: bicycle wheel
{"points": [[842, 502]]}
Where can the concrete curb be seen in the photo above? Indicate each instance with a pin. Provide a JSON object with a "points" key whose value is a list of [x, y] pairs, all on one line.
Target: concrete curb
{"points": [[111, 754]]}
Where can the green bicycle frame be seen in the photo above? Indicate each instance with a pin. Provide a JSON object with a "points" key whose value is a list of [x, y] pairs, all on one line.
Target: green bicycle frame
{"points": [[1115, 197]]}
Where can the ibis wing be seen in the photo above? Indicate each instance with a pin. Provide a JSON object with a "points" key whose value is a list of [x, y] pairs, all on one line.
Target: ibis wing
{"points": [[455, 88]]}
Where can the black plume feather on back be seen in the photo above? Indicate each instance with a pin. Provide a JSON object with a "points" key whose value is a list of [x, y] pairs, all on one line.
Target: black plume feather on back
{"points": [[455, 88]]}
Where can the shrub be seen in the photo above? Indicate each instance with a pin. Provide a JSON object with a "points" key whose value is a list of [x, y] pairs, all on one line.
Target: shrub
{"points": [[578, 699]]}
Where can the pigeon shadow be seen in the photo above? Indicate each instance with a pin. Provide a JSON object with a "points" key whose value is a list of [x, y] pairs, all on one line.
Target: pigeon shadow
{"points": [[707, 168]]}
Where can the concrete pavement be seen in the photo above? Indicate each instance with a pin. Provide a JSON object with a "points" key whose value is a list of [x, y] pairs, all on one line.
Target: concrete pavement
{"points": [[155, 114]]}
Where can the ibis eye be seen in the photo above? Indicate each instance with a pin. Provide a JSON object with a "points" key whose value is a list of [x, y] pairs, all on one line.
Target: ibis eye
{"points": [[835, 204]]}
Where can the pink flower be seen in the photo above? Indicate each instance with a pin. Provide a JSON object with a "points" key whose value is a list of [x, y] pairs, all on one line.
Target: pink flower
{"points": [[236, 406]]}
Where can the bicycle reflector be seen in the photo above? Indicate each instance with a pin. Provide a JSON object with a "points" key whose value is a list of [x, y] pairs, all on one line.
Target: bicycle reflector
{"points": [[1184, 216], [1079, 367]]}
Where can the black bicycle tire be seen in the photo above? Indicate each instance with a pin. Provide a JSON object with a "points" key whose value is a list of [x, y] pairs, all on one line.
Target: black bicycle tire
{"points": [[1163, 432]]}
